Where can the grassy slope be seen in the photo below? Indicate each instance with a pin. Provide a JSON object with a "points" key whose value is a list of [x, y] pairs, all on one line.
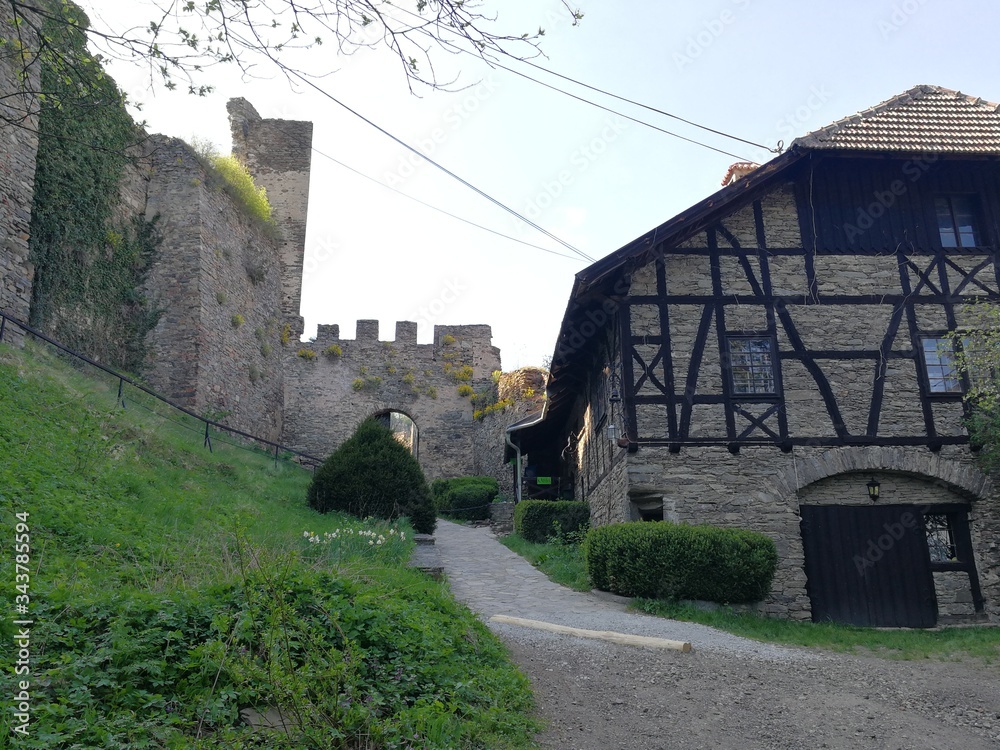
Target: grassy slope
{"points": [[172, 587]]}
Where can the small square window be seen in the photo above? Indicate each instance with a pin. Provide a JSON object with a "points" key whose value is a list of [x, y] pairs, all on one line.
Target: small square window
{"points": [[751, 366], [940, 366], [956, 220]]}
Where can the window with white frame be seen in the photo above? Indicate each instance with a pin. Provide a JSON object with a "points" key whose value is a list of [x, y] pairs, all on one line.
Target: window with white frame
{"points": [[752, 366], [940, 364]]}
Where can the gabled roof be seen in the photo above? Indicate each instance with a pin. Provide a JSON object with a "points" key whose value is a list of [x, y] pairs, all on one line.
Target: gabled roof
{"points": [[923, 119]]}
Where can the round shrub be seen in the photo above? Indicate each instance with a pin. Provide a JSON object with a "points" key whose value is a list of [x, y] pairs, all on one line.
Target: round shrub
{"points": [[539, 520], [663, 560], [372, 474], [465, 498]]}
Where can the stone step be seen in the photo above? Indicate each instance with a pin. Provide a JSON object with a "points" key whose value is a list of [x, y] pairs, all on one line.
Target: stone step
{"points": [[425, 557]]}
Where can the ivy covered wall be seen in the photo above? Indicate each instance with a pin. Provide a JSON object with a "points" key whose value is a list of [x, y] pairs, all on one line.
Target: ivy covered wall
{"points": [[91, 248], [18, 144]]}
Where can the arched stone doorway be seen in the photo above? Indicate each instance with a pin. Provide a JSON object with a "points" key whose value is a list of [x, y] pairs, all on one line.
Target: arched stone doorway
{"points": [[403, 428], [905, 559]]}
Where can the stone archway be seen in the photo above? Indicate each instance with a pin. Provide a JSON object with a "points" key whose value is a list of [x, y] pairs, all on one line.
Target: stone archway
{"points": [[907, 559], [958, 475], [403, 427]]}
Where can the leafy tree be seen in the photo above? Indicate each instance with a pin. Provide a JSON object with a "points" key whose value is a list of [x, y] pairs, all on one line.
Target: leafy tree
{"points": [[977, 352], [188, 36], [372, 474]]}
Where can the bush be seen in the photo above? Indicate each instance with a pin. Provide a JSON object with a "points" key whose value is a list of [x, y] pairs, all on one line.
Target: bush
{"points": [[372, 474], [662, 560], [242, 187], [539, 520], [465, 498]]}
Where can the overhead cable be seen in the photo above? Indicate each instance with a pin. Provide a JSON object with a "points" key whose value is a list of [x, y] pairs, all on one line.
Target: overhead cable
{"points": [[440, 210]]}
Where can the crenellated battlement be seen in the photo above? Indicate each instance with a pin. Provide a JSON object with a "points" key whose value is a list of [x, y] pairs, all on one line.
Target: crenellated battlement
{"points": [[333, 383], [367, 331]]}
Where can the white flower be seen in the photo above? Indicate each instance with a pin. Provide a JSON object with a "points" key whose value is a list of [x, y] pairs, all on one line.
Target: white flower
{"points": [[306, 534]]}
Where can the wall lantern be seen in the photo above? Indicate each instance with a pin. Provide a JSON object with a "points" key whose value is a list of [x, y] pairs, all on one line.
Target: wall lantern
{"points": [[613, 432], [873, 490], [615, 397]]}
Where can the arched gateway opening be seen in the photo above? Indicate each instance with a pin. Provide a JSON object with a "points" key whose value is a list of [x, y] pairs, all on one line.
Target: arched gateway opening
{"points": [[889, 549], [403, 428]]}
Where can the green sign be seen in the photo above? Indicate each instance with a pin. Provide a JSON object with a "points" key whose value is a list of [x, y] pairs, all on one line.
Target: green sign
{"points": [[544, 480]]}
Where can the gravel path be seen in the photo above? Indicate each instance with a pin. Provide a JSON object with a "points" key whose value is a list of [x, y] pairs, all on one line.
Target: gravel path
{"points": [[729, 692]]}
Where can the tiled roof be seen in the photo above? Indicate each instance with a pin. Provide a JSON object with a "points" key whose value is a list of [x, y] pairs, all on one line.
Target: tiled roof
{"points": [[923, 119], [738, 170]]}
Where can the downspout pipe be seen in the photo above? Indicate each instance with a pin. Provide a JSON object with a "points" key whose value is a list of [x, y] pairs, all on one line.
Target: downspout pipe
{"points": [[518, 467]]}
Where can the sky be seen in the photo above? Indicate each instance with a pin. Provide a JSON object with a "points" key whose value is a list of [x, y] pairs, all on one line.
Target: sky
{"points": [[765, 72]]}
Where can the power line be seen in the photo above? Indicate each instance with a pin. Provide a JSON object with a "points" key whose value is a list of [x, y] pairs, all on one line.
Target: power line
{"points": [[440, 210], [606, 93], [296, 74], [651, 108], [613, 111]]}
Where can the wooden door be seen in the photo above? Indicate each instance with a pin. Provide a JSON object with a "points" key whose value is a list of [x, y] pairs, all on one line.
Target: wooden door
{"points": [[868, 565]]}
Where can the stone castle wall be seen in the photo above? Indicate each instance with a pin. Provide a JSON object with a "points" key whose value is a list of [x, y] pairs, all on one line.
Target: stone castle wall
{"points": [[229, 290], [19, 144], [523, 392], [332, 384], [278, 153], [218, 281]]}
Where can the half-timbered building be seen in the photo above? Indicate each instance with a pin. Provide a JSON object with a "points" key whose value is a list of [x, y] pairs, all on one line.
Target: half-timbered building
{"points": [[781, 357]]}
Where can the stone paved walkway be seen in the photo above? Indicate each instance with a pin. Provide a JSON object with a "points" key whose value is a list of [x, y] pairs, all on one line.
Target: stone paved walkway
{"points": [[490, 579]]}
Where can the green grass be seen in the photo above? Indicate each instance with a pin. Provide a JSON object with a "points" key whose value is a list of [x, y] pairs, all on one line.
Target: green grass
{"points": [[171, 587], [564, 564], [976, 643]]}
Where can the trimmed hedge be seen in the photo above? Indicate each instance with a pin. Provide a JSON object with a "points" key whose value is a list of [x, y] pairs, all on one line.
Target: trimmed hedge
{"points": [[663, 560], [465, 498], [373, 474], [535, 519]]}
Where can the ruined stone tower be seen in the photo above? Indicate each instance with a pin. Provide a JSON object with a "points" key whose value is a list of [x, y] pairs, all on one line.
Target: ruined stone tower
{"points": [[278, 154]]}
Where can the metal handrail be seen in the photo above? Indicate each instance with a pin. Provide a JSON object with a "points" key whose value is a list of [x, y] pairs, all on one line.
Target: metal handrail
{"points": [[122, 379]]}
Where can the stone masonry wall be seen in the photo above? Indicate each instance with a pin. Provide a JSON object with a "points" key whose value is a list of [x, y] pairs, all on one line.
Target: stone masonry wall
{"points": [[278, 154], [19, 144], [525, 389], [332, 384], [218, 282]]}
